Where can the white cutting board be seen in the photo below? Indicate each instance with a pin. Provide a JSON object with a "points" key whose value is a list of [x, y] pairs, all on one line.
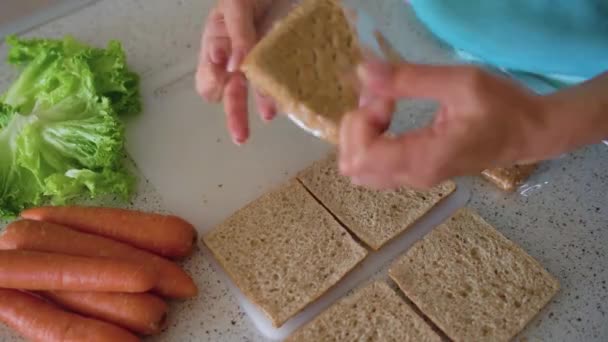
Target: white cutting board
{"points": [[21, 15], [180, 144]]}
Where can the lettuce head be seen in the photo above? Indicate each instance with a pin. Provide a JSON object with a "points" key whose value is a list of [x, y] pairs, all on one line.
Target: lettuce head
{"points": [[61, 132]]}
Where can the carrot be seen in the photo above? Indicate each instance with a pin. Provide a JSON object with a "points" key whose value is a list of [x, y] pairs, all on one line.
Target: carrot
{"points": [[166, 235], [140, 312], [37, 320], [49, 237], [47, 271]]}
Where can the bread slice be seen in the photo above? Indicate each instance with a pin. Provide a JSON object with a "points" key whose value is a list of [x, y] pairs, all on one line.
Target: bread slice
{"points": [[373, 313], [284, 250], [375, 217], [472, 282], [509, 178], [301, 63]]}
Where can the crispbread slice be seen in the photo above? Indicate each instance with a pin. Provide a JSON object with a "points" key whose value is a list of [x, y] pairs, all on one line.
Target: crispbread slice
{"points": [[509, 178], [372, 313], [301, 63], [472, 282], [375, 217], [284, 250]]}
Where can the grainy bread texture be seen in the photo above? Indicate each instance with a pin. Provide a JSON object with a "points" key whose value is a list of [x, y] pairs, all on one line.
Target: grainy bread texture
{"points": [[509, 178], [284, 250], [472, 282], [301, 63], [373, 313], [375, 217]]}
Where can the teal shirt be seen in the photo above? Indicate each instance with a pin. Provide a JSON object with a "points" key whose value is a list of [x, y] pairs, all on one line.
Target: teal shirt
{"points": [[546, 44]]}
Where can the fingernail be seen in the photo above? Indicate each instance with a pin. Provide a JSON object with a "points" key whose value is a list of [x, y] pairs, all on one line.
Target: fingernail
{"points": [[218, 56], [235, 61], [267, 113], [267, 117], [373, 71], [238, 142]]}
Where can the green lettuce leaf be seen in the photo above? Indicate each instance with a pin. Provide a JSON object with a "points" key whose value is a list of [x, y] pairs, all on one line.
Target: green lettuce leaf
{"points": [[6, 114], [61, 136], [18, 186], [71, 185], [113, 79]]}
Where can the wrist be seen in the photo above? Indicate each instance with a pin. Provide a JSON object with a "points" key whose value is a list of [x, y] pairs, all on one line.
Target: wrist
{"points": [[576, 117]]}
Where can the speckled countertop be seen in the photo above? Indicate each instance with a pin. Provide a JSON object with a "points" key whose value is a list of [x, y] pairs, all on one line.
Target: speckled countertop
{"points": [[563, 223]]}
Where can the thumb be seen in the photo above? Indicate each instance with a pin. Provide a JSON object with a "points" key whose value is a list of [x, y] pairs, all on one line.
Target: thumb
{"points": [[239, 17], [410, 80]]}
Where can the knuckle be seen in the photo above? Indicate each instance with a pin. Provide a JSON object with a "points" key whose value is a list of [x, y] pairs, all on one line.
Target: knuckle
{"points": [[476, 84], [474, 78], [214, 19], [214, 14]]}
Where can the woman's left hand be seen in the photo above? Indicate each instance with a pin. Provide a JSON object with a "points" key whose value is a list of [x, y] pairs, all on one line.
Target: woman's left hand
{"points": [[483, 121]]}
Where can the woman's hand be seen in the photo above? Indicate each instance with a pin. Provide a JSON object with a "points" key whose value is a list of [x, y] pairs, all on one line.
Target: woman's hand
{"points": [[232, 29], [483, 121]]}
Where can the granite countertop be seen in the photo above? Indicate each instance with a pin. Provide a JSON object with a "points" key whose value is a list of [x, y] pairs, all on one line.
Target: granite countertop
{"points": [[562, 220]]}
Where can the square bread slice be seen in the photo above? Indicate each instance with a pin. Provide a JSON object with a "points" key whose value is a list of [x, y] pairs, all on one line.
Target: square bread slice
{"points": [[375, 217], [284, 250], [473, 282], [301, 63], [372, 313], [509, 178]]}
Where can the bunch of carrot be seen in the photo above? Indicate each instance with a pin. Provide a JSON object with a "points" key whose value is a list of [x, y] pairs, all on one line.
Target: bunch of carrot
{"points": [[92, 274]]}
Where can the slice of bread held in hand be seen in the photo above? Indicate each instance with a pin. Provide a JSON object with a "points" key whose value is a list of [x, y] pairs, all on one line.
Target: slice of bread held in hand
{"points": [[302, 62], [472, 282], [372, 313], [375, 217], [284, 250]]}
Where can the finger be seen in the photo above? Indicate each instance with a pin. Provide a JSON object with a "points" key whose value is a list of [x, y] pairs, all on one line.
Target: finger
{"points": [[219, 50], [210, 81], [235, 106], [345, 154], [239, 17], [412, 80], [211, 75], [216, 44], [360, 130], [376, 182], [415, 159], [266, 106]]}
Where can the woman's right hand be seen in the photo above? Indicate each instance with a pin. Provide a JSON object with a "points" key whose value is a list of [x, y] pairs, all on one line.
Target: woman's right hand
{"points": [[232, 29]]}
